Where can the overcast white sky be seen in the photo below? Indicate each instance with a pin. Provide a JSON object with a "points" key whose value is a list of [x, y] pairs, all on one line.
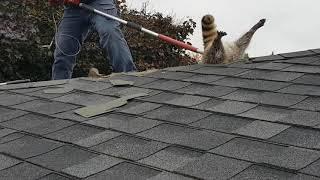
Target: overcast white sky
{"points": [[292, 25]]}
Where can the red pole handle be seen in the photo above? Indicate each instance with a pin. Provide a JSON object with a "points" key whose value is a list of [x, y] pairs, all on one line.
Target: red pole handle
{"points": [[178, 43]]}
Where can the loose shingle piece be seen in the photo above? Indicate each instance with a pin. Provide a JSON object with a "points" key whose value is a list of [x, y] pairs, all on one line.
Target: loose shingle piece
{"points": [[258, 119]]}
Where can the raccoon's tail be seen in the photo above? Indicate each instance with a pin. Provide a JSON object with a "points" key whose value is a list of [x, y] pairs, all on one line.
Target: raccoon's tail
{"points": [[209, 30]]}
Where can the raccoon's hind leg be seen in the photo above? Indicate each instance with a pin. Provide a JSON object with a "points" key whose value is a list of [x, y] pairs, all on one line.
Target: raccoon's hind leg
{"points": [[216, 54], [244, 41]]}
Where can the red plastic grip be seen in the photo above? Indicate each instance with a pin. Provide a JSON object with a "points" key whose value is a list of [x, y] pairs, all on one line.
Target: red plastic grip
{"points": [[178, 43]]}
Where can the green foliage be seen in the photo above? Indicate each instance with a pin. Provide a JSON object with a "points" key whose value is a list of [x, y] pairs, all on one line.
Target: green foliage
{"points": [[27, 25]]}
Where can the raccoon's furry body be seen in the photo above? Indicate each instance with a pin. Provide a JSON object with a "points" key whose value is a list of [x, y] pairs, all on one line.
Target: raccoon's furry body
{"points": [[218, 52]]}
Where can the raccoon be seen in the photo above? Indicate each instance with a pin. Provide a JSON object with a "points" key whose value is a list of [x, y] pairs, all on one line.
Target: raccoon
{"points": [[218, 52]]}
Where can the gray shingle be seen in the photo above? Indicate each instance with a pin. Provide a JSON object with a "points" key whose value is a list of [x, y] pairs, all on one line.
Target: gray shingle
{"points": [[255, 74], [264, 173], [138, 81], [313, 168], [261, 97], [114, 91], [11, 137], [28, 146], [200, 139], [7, 162], [206, 90], [162, 97], [297, 54], [280, 99], [266, 113], [251, 84], [211, 166], [179, 115], [54, 176], [232, 82], [9, 99], [232, 107], [7, 114], [97, 138], [170, 75], [304, 60], [91, 166], [265, 85], [211, 103], [306, 118], [129, 147], [36, 124], [45, 107], [260, 129], [311, 104], [219, 70], [90, 86], [302, 89], [246, 65], [23, 171], [70, 115], [171, 158], [74, 133], [303, 68], [126, 171], [316, 51], [169, 176], [63, 157], [125, 91], [187, 100], [308, 138], [260, 152], [4, 132], [140, 108], [26, 90], [33, 84], [273, 66], [244, 95], [222, 123], [282, 76], [267, 58], [187, 68], [166, 85], [50, 83], [129, 124], [84, 99], [309, 79], [203, 78]]}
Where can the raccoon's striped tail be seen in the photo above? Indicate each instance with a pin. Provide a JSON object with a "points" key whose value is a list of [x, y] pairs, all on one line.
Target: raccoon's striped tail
{"points": [[209, 30]]}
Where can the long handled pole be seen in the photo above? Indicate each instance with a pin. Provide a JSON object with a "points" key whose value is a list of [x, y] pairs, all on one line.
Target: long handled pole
{"points": [[140, 28], [15, 82]]}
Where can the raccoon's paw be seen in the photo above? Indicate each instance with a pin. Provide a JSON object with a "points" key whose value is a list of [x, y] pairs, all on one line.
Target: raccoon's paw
{"points": [[221, 34], [259, 24]]}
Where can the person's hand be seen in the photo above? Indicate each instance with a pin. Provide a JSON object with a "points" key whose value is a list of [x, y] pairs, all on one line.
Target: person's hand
{"points": [[72, 2], [55, 2]]}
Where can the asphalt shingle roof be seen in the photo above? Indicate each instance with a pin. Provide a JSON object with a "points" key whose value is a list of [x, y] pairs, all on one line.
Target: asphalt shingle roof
{"points": [[254, 120]]}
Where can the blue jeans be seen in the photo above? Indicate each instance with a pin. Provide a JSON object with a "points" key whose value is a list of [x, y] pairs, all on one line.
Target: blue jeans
{"points": [[73, 30]]}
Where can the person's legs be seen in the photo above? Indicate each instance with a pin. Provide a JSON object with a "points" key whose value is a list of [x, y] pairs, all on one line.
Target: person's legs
{"points": [[72, 29], [113, 42]]}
